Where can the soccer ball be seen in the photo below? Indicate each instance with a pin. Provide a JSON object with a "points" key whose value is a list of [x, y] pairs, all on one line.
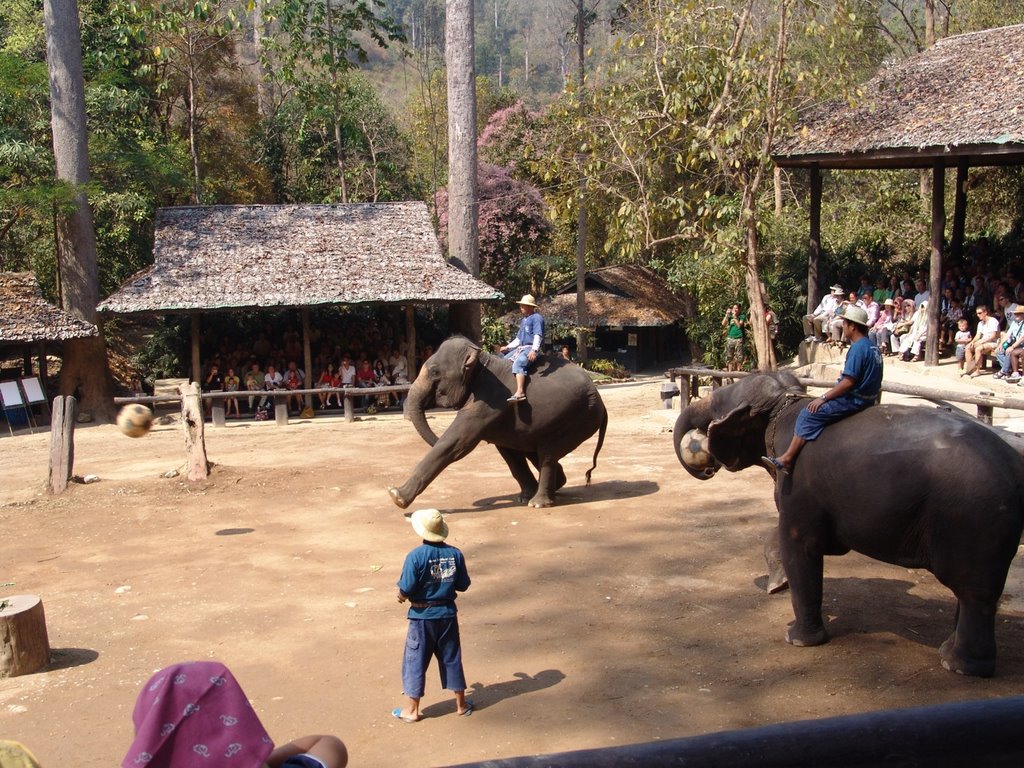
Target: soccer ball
{"points": [[694, 450], [135, 420]]}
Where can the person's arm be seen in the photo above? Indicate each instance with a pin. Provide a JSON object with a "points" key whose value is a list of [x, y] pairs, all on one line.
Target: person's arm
{"points": [[844, 385]]}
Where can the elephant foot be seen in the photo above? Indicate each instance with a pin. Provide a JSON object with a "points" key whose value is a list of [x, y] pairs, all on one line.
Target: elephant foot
{"points": [[397, 498], [953, 660], [805, 639], [777, 583], [540, 501]]}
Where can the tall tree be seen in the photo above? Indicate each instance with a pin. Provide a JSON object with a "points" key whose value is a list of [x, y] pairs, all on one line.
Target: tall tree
{"points": [[462, 181], [85, 370]]}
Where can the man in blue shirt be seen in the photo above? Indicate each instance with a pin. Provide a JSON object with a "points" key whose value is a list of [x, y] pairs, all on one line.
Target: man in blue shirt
{"points": [[858, 388], [525, 347], [431, 575]]}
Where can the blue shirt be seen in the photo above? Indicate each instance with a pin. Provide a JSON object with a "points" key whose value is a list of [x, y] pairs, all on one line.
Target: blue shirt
{"points": [[530, 326], [433, 573], [864, 366]]}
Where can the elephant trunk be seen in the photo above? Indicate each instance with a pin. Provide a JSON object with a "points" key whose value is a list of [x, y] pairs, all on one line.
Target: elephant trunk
{"points": [[693, 417], [420, 397]]}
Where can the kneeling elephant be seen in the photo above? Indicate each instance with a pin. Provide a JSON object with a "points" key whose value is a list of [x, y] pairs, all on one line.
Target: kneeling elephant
{"points": [[913, 486]]}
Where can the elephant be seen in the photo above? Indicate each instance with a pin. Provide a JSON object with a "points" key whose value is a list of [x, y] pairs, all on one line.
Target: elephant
{"points": [[562, 409], [912, 486]]}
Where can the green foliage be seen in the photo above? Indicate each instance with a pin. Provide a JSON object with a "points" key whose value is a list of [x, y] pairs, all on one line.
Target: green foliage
{"points": [[166, 353], [608, 368]]}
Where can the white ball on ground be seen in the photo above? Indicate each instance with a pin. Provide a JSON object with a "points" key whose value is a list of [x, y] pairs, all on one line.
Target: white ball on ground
{"points": [[135, 420], [694, 449]]}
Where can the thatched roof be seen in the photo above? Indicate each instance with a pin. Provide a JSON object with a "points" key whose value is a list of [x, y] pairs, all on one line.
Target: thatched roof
{"points": [[27, 317], [626, 295], [238, 256], [964, 97]]}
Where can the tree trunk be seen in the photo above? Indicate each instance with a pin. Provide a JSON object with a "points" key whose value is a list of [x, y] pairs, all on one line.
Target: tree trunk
{"points": [[339, 145], [462, 182], [760, 333], [582, 318], [85, 370]]}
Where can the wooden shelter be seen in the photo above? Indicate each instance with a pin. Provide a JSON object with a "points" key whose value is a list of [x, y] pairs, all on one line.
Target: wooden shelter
{"points": [[958, 104], [233, 257], [632, 310], [28, 320]]}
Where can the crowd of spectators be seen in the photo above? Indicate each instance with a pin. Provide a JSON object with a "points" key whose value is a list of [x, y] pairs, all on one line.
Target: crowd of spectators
{"points": [[361, 353], [898, 307]]}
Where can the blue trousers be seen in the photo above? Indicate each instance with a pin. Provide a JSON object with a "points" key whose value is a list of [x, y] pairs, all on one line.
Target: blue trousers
{"points": [[809, 425], [425, 639]]}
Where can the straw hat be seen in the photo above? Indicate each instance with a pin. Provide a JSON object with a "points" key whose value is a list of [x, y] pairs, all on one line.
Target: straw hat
{"points": [[856, 315], [837, 289], [429, 524], [528, 301], [888, 303], [1016, 309]]}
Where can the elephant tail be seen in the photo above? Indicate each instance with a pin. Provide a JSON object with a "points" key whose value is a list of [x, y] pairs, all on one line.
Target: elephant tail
{"points": [[600, 442]]}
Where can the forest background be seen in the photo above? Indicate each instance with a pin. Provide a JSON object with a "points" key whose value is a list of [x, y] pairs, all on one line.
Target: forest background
{"points": [[665, 144]]}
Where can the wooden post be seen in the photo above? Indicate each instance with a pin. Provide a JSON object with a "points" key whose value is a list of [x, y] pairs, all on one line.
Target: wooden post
{"points": [[24, 645], [307, 356], [956, 239], [197, 365], [62, 442], [349, 407], [931, 352], [814, 251], [217, 411], [196, 465], [410, 341]]}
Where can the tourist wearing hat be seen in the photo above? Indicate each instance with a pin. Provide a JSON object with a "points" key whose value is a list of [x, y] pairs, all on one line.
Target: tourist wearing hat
{"points": [[912, 340], [858, 388], [880, 330], [431, 576], [816, 323], [525, 347], [1010, 349]]}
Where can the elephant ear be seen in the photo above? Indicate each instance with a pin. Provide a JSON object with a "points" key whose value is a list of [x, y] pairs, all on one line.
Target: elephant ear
{"points": [[469, 362], [737, 439]]}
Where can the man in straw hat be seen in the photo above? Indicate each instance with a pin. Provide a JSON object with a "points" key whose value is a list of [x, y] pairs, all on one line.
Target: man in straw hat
{"points": [[525, 347], [858, 387], [816, 323], [432, 574]]}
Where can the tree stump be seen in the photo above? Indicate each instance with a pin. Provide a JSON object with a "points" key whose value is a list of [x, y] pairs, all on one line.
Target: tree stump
{"points": [[197, 467], [24, 646]]}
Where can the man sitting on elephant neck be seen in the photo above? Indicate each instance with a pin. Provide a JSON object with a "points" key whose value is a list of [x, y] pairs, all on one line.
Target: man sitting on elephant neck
{"points": [[523, 349], [858, 388]]}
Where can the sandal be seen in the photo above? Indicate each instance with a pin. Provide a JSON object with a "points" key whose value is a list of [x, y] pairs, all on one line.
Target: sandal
{"points": [[516, 398], [773, 463]]}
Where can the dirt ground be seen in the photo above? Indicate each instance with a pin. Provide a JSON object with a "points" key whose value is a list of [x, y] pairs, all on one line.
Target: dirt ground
{"points": [[632, 611]]}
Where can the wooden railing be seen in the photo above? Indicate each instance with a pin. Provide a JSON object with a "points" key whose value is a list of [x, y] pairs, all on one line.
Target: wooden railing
{"points": [[985, 402], [279, 396]]}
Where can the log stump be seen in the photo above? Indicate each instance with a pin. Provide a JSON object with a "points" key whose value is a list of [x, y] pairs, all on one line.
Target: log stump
{"points": [[24, 645]]}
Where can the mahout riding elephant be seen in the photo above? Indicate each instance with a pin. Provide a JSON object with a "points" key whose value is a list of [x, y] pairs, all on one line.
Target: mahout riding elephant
{"points": [[913, 486], [562, 409]]}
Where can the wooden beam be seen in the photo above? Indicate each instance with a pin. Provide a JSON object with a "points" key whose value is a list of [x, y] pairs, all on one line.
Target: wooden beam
{"points": [[931, 355], [197, 366], [307, 356], [956, 244], [814, 251], [978, 155]]}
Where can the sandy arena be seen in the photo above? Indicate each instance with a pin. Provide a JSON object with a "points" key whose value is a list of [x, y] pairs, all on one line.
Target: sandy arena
{"points": [[632, 611]]}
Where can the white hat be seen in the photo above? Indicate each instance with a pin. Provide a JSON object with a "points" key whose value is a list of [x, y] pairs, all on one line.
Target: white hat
{"points": [[528, 301], [837, 289], [429, 524]]}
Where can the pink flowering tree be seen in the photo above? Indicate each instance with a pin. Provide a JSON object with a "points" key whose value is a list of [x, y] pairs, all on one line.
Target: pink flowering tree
{"points": [[514, 228]]}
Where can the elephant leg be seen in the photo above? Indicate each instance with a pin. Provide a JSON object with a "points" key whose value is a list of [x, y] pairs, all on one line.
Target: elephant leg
{"points": [[446, 450], [805, 571], [517, 464], [971, 649], [777, 580], [550, 473]]}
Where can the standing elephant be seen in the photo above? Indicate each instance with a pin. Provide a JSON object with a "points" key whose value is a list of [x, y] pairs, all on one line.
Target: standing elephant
{"points": [[562, 410], [916, 487]]}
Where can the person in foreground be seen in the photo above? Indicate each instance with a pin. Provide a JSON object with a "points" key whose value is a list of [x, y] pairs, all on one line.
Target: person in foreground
{"points": [[15, 755], [858, 388], [196, 713], [431, 575], [525, 347]]}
